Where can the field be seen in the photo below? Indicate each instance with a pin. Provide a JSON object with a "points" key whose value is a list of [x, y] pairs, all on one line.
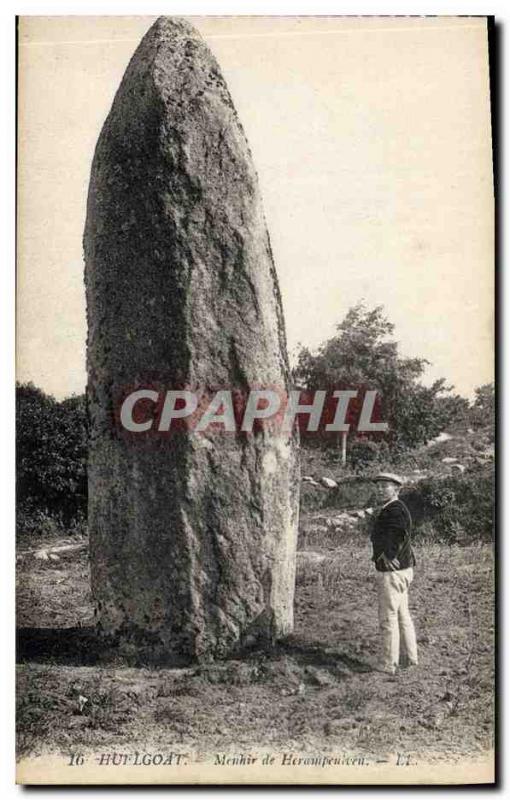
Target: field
{"points": [[318, 689]]}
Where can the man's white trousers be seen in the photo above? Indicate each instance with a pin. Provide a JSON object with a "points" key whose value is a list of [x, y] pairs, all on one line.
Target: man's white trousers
{"points": [[395, 621]]}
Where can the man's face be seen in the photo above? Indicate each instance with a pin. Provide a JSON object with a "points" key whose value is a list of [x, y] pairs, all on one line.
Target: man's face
{"points": [[385, 490]]}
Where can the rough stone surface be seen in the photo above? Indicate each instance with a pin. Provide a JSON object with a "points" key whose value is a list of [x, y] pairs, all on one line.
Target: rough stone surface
{"points": [[192, 537]]}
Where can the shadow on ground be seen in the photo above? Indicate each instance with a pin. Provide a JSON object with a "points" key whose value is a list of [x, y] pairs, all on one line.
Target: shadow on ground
{"points": [[319, 655], [69, 646], [84, 646]]}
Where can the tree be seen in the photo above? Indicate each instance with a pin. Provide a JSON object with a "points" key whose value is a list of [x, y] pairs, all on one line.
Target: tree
{"points": [[454, 411], [362, 354], [483, 409]]}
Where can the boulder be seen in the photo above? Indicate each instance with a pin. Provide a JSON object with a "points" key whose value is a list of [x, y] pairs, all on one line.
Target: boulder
{"points": [[192, 536]]}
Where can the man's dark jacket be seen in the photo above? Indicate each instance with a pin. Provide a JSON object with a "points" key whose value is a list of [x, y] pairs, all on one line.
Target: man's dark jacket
{"points": [[391, 536]]}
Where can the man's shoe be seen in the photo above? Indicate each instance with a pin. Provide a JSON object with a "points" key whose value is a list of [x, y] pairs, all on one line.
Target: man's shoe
{"points": [[386, 670]]}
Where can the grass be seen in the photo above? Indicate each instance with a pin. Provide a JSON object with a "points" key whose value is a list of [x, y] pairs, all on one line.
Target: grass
{"points": [[316, 690]]}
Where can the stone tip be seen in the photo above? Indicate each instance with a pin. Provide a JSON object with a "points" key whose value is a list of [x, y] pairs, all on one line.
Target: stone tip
{"points": [[174, 25]]}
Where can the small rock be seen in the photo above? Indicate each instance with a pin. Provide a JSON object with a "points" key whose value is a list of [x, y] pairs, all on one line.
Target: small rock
{"points": [[336, 726], [442, 437], [41, 555], [309, 557], [458, 468], [319, 676], [438, 719], [82, 702], [78, 722], [448, 460], [340, 520], [329, 483]]}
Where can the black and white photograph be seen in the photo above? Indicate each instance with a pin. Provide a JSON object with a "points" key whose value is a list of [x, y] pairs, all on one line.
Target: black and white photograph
{"points": [[255, 400]]}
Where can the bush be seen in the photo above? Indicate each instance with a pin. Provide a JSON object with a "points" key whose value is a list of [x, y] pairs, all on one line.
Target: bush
{"points": [[352, 492], [311, 498], [33, 522], [366, 453], [457, 507], [51, 454]]}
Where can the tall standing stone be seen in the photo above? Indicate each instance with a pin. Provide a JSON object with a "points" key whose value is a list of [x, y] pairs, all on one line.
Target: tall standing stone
{"points": [[192, 537]]}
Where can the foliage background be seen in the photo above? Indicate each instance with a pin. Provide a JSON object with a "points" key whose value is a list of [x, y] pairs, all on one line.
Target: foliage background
{"points": [[52, 439]]}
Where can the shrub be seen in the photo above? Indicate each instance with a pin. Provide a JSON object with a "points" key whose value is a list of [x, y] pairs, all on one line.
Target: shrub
{"points": [[34, 522], [312, 498], [366, 453], [457, 507], [352, 492], [51, 448]]}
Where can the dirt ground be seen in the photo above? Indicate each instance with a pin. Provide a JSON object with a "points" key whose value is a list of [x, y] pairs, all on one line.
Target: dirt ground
{"points": [[318, 689]]}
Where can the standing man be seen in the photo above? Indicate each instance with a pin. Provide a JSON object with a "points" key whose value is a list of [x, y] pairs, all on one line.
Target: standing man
{"points": [[394, 562]]}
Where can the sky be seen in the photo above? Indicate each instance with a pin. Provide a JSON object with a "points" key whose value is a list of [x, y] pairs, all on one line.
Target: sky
{"points": [[371, 138]]}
